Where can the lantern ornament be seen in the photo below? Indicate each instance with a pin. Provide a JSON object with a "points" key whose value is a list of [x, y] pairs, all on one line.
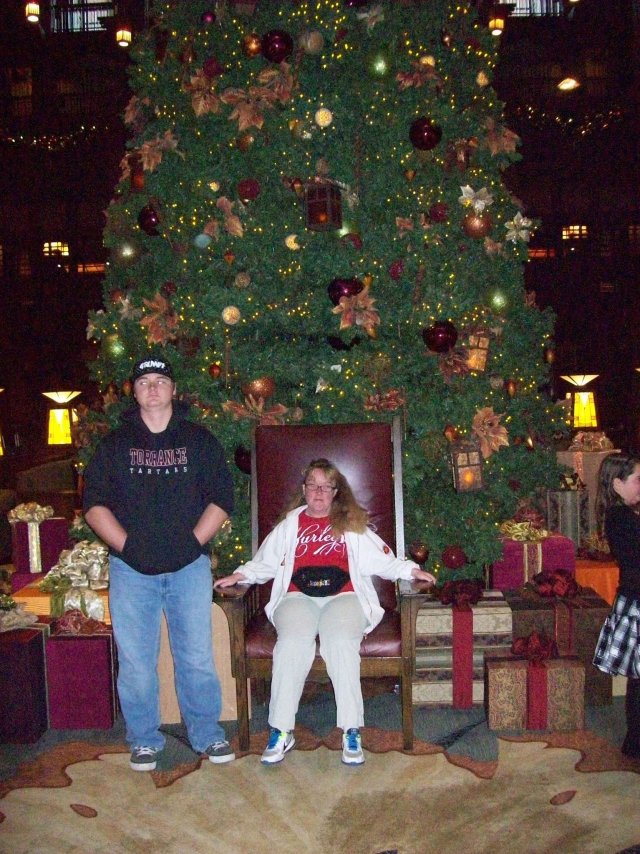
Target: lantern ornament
{"points": [[466, 461], [323, 205], [478, 351]]}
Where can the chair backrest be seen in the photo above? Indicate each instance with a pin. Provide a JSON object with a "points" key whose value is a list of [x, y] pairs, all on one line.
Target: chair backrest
{"points": [[368, 454]]}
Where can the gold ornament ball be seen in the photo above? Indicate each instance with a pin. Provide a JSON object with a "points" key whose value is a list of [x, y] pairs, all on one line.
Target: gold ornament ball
{"points": [[231, 315], [323, 117], [251, 45], [260, 387], [428, 60], [245, 141], [477, 224], [482, 79], [496, 382], [242, 280], [311, 42]]}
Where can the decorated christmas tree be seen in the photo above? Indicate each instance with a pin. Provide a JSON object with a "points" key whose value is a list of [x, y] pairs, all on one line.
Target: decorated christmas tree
{"points": [[312, 226]]}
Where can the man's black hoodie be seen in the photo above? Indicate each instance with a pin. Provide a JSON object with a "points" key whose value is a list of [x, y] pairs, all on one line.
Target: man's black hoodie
{"points": [[157, 485]]}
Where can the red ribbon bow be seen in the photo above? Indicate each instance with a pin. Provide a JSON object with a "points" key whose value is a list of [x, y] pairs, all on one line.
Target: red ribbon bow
{"points": [[461, 594], [557, 584], [536, 647]]}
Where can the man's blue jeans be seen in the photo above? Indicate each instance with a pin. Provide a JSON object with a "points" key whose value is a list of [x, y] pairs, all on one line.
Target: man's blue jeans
{"points": [[136, 602]]}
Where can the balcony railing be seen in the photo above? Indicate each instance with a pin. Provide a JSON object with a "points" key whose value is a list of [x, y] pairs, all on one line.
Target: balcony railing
{"points": [[68, 16]]}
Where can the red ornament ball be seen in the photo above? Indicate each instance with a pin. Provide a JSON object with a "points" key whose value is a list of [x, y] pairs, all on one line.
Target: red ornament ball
{"points": [[453, 557], [440, 337], [450, 433], [276, 45], [419, 552], [249, 189], [439, 212], [396, 269], [242, 458], [149, 220], [215, 370], [339, 288], [208, 17], [212, 68], [424, 134]]}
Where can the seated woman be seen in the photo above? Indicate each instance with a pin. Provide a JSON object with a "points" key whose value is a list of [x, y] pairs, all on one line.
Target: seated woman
{"points": [[321, 557]]}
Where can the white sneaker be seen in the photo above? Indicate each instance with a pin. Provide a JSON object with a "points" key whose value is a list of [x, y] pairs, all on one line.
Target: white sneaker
{"points": [[279, 743], [352, 747]]}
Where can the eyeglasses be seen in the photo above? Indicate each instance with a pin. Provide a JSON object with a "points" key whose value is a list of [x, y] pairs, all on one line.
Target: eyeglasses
{"points": [[316, 487], [163, 382]]}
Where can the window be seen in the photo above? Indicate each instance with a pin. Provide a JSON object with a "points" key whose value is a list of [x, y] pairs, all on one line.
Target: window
{"points": [[575, 232], [92, 267], [79, 16], [55, 248], [541, 253], [24, 265], [538, 8], [21, 89]]}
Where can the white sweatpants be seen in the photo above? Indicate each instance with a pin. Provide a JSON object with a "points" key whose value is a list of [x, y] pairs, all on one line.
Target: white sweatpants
{"points": [[339, 622]]}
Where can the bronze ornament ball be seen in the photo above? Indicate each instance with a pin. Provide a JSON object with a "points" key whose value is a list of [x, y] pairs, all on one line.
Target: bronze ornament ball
{"points": [[262, 387], [477, 225], [440, 337], [311, 42], [215, 370], [419, 552], [339, 288], [276, 45], [251, 45], [424, 134]]}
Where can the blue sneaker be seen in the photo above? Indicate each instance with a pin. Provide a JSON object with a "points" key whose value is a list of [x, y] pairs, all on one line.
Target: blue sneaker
{"points": [[352, 747], [279, 743]]}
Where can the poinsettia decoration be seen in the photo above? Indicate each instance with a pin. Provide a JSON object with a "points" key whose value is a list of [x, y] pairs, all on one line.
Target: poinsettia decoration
{"points": [[453, 363], [372, 16], [254, 409], [162, 322], [385, 402], [204, 98], [458, 154], [423, 72], [249, 106], [487, 427], [358, 310], [499, 139]]}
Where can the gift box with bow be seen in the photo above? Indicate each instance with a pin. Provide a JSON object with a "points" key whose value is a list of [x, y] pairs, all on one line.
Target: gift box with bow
{"points": [[534, 689], [554, 604], [37, 539], [455, 629], [528, 550]]}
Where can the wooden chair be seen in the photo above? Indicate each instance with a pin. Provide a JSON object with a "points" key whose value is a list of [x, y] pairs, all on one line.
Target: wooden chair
{"points": [[369, 455]]}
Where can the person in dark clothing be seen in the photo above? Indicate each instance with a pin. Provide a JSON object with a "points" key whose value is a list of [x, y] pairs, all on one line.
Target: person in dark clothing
{"points": [[618, 649], [156, 491]]}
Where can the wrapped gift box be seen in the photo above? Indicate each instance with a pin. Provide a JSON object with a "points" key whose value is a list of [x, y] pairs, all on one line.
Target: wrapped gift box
{"points": [[574, 623], [81, 681], [568, 513], [522, 560], [435, 668], [586, 464], [601, 576], [23, 699], [36, 546], [512, 703], [20, 580], [37, 602]]}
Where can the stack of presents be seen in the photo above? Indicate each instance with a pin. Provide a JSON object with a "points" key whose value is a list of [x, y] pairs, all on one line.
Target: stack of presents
{"points": [[524, 647], [57, 657]]}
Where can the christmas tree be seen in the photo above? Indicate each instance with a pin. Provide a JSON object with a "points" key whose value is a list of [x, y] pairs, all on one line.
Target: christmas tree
{"points": [[312, 226]]}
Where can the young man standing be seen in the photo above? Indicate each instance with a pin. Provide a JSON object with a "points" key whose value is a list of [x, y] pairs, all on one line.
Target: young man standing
{"points": [[156, 491]]}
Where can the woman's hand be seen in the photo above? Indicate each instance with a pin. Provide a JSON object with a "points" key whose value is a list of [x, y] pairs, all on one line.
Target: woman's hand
{"points": [[421, 575], [230, 580]]}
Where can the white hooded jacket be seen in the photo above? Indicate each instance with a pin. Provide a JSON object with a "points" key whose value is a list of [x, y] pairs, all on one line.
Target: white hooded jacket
{"points": [[368, 555]]}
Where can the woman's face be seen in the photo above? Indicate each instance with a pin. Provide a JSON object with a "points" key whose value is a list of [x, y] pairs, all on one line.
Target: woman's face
{"points": [[319, 492], [629, 489]]}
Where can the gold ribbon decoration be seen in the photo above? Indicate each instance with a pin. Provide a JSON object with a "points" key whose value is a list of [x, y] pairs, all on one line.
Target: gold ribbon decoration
{"points": [[523, 532]]}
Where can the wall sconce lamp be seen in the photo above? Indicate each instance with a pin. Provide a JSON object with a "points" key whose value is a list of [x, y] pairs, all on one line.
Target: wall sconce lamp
{"points": [[123, 35], [583, 403], [569, 83], [60, 417], [466, 461], [32, 12], [498, 15], [323, 205]]}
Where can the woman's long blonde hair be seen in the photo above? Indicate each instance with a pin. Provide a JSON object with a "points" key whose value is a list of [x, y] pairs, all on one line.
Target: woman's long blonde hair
{"points": [[345, 513]]}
